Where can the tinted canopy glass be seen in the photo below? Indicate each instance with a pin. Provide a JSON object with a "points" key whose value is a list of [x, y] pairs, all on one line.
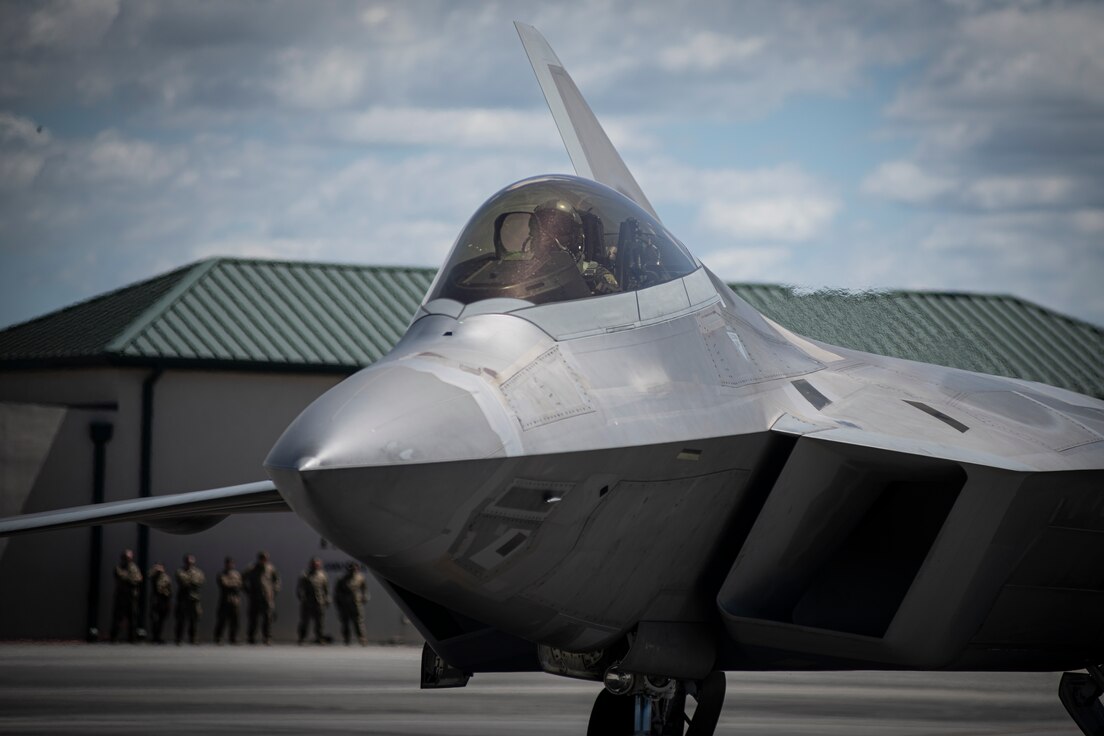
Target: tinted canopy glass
{"points": [[558, 238]]}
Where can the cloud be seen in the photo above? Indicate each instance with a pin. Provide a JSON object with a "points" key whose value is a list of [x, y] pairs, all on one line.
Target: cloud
{"points": [[1007, 167], [708, 51], [1039, 255], [1019, 192], [1051, 53], [1006, 237], [1089, 221], [18, 169], [904, 181], [140, 205], [747, 263], [371, 132], [1015, 85], [1009, 111], [113, 156], [374, 15], [781, 203], [470, 128], [24, 147], [743, 59], [908, 183], [320, 80], [16, 130], [769, 218], [67, 25], [465, 128]]}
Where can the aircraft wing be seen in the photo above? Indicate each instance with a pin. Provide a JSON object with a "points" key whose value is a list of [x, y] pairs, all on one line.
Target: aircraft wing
{"points": [[180, 513], [592, 154]]}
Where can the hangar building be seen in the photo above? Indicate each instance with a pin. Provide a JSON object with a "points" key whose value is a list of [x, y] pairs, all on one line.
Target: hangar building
{"points": [[185, 381]]}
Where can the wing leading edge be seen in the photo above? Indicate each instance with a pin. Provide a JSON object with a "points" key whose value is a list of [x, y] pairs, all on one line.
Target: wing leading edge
{"points": [[592, 154], [179, 513]]}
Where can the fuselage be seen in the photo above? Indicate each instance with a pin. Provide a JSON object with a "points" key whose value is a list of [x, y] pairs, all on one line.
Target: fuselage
{"points": [[563, 472]]}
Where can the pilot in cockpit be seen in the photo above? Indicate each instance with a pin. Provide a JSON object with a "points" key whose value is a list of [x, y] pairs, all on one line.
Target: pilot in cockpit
{"points": [[555, 225]]}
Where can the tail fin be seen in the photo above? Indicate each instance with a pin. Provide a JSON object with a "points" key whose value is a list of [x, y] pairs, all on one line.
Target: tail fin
{"points": [[590, 149]]}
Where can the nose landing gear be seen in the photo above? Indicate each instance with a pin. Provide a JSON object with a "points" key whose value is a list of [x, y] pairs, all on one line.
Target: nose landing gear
{"points": [[636, 705]]}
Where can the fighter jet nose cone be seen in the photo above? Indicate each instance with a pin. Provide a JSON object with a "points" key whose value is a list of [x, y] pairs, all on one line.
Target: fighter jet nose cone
{"points": [[350, 463], [392, 414]]}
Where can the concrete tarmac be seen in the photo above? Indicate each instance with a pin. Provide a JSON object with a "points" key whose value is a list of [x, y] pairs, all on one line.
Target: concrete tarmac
{"points": [[105, 689]]}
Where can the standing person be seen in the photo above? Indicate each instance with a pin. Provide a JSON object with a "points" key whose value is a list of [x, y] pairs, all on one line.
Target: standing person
{"points": [[262, 583], [189, 581], [128, 586], [160, 601], [350, 594], [313, 592], [229, 602]]}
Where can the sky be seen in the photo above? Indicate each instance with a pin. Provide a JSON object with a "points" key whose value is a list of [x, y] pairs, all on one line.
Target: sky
{"points": [[953, 145]]}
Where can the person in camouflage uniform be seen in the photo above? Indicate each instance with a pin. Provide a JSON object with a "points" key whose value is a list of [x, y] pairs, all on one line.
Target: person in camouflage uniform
{"points": [[160, 601], [229, 602], [128, 586], [313, 592], [350, 594], [189, 582], [262, 583]]}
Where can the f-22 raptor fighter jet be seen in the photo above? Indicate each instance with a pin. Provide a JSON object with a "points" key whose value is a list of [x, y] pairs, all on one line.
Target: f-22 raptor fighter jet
{"points": [[587, 456]]}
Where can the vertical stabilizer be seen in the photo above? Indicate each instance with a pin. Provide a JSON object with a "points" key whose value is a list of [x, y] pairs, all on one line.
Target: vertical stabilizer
{"points": [[590, 149]]}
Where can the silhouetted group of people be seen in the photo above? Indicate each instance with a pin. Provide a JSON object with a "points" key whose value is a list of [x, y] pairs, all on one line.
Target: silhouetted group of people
{"points": [[259, 586]]}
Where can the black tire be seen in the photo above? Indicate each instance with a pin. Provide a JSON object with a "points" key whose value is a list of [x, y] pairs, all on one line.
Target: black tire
{"points": [[710, 697], [612, 715], [1081, 696]]}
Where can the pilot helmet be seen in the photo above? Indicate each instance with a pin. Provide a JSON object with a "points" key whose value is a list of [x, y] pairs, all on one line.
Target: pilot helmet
{"points": [[555, 223]]}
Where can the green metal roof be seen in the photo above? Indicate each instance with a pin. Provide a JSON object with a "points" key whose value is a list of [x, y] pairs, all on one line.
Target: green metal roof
{"points": [[273, 315], [87, 328], [227, 311]]}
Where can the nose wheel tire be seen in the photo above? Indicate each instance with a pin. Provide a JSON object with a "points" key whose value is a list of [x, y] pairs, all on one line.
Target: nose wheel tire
{"points": [[710, 694], [611, 715]]}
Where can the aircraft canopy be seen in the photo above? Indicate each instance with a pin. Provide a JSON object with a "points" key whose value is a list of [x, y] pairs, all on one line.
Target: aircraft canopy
{"points": [[559, 238]]}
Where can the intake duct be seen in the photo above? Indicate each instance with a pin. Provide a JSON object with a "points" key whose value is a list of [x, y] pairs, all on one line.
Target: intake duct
{"points": [[841, 538]]}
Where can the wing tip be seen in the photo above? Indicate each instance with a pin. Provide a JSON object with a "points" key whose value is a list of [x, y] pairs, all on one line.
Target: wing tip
{"points": [[180, 511]]}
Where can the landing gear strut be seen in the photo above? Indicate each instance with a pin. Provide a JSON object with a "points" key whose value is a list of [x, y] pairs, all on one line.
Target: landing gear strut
{"points": [[635, 705], [1081, 696]]}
